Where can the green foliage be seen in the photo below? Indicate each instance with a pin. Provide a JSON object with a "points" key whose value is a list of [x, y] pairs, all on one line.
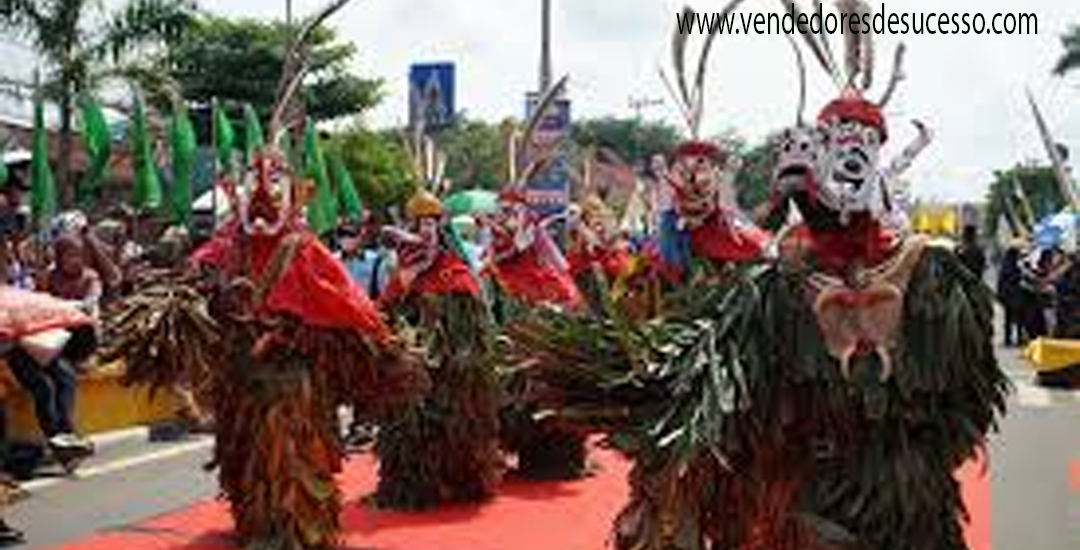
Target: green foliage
{"points": [[1037, 184], [445, 448], [743, 378], [1070, 58], [476, 154], [378, 164], [632, 139], [240, 61], [82, 47], [753, 182]]}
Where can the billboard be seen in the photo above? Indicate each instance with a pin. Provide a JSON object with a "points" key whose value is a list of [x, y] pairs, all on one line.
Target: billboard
{"points": [[548, 191], [431, 95]]}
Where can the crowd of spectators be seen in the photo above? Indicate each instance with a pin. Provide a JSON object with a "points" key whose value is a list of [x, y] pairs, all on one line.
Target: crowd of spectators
{"points": [[90, 265]]}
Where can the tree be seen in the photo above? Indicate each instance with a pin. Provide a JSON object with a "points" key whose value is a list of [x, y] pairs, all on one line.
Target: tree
{"points": [[378, 164], [240, 61], [1070, 60], [754, 181], [476, 154], [632, 139], [1039, 196], [82, 47]]}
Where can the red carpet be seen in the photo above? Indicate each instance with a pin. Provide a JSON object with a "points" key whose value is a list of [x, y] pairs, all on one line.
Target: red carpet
{"points": [[525, 516]]}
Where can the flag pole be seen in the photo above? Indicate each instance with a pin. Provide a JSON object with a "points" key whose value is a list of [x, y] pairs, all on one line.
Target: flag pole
{"points": [[214, 171], [39, 234]]}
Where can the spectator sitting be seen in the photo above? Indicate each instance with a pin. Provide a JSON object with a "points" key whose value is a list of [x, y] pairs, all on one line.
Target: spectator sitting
{"points": [[52, 382], [71, 279], [122, 251], [97, 254]]}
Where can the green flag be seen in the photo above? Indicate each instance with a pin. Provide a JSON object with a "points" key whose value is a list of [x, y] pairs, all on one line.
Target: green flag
{"points": [[182, 141], [224, 137], [322, 212], [147, 194], [253, 134], [3, 172], [42, 185], [350, 200], [95, 134]]}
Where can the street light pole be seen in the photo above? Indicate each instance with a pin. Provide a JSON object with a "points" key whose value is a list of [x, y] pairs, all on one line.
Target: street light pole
{"points": [[288, 12], [545, 46]]}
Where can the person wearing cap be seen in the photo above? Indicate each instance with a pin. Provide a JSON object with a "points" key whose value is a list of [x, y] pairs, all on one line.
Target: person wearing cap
{"points": [[444, 449]]}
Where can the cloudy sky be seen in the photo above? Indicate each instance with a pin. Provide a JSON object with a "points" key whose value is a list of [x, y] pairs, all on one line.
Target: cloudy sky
{"points": [[969, 89]]}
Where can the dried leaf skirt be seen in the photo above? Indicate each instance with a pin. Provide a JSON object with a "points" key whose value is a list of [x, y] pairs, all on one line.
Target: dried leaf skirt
{"points": [[277, 449], [445, 449]]}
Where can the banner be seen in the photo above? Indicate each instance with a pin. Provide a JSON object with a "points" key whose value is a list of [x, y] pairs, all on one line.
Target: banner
{"points": [[548, 191]]}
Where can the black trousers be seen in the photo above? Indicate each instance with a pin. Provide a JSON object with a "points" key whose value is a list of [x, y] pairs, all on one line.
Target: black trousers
{"points": [[52, 388]]}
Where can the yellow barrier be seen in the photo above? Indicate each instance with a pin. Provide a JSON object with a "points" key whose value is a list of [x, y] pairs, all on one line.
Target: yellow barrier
{"points": [[102, 404], [1050, 354]]}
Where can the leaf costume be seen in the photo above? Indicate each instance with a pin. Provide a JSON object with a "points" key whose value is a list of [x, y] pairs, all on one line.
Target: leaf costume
{"points": [[444, 449], [274, 336], [821, 400]]}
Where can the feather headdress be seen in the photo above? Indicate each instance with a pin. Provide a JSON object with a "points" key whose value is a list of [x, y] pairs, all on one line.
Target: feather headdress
{"points": [[690, 97], [269, 198], [854, 76], [297, 64], [1065, 184]]}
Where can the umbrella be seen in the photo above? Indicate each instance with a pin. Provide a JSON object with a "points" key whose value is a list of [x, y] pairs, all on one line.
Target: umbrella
{"points": [[472, 201], [1057, 230], [463, 223]]}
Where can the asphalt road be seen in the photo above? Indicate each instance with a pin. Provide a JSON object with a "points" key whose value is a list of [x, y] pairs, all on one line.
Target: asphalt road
{"points": [[130, 481], [1033, 505]]}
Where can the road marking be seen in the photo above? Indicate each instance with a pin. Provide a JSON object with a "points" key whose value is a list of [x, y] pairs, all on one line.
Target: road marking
{"points": [[108, 439], [121, 464], [1029, 395]]}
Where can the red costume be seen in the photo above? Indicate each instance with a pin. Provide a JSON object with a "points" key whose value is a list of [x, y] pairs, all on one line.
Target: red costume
{"points": [[524, 260]]}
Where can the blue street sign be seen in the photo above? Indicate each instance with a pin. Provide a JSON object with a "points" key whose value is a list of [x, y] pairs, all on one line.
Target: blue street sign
{"points": [[431, 95]]}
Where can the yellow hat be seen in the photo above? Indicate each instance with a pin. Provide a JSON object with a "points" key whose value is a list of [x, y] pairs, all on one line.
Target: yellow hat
{"points": [[593, 208], [423, 204]]}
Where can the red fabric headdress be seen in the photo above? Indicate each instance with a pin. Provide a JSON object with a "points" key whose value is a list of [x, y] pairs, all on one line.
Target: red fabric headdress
{"points": [[852, 106], [697, 149]]}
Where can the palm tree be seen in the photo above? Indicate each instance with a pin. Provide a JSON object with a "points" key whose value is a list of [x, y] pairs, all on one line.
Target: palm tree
{"points": [[1070, 60], [81, 46]]}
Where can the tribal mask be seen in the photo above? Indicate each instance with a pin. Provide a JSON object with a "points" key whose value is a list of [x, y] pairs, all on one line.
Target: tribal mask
{"points": [[696, 165], [265, 200], [851, 168], [855, 131], [801, 152]]}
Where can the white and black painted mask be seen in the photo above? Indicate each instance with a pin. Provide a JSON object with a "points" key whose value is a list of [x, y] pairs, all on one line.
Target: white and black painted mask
{"points": [[850, 173]]}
